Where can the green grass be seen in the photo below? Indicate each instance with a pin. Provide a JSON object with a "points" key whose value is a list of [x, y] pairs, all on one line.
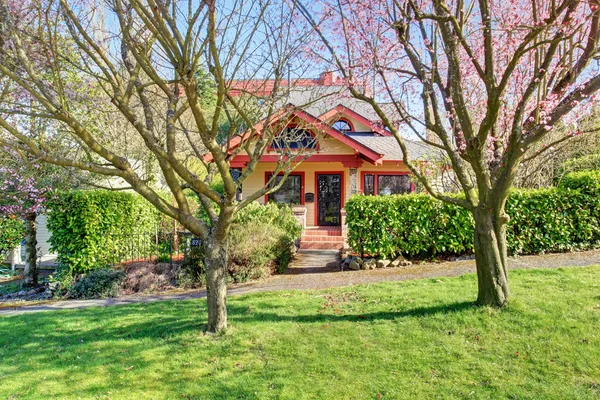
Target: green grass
{"points": [[417, 339]]}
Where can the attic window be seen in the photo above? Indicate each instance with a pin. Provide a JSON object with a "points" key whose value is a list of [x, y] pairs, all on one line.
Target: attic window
{"points": [[294, 138], [343, 126]]}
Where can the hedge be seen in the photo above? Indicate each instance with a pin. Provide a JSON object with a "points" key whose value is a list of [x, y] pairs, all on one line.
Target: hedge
{"points": [[555, 219], [586, 163], [88, 227], [11, 234]]}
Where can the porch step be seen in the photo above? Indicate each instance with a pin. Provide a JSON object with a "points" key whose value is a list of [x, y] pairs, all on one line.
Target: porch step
{"points": [[315, 238], [322, 232], [330, 245]]}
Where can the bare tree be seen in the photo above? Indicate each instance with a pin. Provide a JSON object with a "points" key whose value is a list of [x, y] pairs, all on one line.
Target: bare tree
{"points": [[484, 81], [119, 79]]}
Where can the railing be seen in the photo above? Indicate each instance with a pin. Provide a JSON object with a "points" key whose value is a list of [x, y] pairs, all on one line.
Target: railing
{"points": [[155, 247]]}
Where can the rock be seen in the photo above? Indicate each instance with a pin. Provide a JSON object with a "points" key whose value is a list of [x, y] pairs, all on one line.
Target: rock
{"points": [[371, 263], [397, 261], [358, 260], [53, 286], [405, 263], [22, 293], [383, 263], [32, 292], [354, 266]]}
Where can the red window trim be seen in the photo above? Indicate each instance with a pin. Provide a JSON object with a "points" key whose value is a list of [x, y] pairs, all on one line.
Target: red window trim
{"points": [[302, 180], [342, 189], [375, 184]]}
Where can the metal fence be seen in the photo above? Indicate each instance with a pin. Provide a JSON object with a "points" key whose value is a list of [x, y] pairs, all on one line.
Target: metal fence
{"points": [[158, 246]]}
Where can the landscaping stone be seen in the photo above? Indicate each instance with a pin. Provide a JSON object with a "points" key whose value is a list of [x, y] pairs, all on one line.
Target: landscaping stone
{"points": [[358, 260], [397, 261], [354, 266], [383, 263], [370, 263], [405, 263]]}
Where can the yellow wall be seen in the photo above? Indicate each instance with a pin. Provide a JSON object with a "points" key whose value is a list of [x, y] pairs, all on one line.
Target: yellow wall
{"points": [[257, 179]]}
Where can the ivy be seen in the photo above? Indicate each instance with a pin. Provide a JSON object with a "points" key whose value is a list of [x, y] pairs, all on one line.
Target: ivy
{"points": [[89, 227], [555, 219]]}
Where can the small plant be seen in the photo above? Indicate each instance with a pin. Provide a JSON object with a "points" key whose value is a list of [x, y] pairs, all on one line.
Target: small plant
{"points": [[99, 283]]}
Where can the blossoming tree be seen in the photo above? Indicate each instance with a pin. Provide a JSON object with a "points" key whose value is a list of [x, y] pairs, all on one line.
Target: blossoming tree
{"points": [[482, 80], [24, 193]]}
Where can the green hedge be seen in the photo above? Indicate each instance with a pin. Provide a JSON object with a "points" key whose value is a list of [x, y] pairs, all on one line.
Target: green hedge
{"points": [[11, 234], [586, 163], [555, 219], [88, 228]]}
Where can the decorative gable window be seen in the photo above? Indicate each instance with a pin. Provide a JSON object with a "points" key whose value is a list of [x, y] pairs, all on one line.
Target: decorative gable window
{"points": [[294, 138], [343, 126]]}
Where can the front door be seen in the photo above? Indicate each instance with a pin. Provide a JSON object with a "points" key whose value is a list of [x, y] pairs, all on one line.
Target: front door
{"points": [[329, 199]]}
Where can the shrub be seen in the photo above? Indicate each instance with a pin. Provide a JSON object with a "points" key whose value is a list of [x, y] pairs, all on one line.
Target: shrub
{"points": [[99, 283], [11, 234], [555, 219], [586, 163], [257, 248], [278, 215], [89, 229], [261, 239]]}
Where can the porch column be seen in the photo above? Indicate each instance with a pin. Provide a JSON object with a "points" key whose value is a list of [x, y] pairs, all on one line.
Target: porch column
{"points": [[353, 181]]}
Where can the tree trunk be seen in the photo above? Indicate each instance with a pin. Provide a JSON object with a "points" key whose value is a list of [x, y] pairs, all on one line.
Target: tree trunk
{"points": [[491, 258], [31, 271], [216, 287]]}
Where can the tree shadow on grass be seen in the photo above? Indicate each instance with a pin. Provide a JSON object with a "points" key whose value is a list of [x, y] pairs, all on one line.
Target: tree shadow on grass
{"points": [[240, 314]]}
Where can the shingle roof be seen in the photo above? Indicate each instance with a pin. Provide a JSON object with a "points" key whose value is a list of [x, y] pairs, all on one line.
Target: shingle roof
{"points": [[389, 147]]}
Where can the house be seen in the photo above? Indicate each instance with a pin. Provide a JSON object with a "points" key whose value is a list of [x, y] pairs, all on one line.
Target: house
{"points": [[353, 154]]}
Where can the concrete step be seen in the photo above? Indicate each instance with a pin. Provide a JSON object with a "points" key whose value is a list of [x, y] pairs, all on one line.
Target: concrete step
{"points": [[329, 245]]}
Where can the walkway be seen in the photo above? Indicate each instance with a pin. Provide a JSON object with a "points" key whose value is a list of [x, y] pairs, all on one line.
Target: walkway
{"points": [[320, 270]]}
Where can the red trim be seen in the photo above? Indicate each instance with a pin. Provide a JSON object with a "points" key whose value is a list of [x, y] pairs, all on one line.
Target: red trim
{"points": [[348, 160], [315, 123], [348, 113], [342, 189], [375, 184], [302, 179]]}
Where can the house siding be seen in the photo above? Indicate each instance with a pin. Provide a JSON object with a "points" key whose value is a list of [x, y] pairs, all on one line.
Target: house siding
{"points": [[257, 179]]}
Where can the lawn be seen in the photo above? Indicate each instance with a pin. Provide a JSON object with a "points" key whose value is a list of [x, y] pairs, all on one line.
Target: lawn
{"points": [[417, 339]]}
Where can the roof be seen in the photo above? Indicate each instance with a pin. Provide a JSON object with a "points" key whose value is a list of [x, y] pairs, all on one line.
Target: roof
{"points": [[389, 147]]}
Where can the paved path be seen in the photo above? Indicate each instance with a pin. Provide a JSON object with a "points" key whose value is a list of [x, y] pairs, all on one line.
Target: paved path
{"points": [[319, 269]]}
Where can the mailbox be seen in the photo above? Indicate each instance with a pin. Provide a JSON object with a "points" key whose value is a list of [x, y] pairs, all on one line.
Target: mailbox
{"points": [[309, 198]]}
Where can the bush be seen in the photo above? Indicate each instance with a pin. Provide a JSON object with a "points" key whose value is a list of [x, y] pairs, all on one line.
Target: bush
{"points": [[278, 215], [586, 163], [89, 229], [11, 234], [257, 249], [261, 239], [100, 283], [555, 219]]}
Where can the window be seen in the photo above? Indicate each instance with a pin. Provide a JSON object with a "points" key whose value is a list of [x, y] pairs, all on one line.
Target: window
{"points": [[393, 184], [290, 192], [369, 184], [386, 183], [342, 126], [236, 173], [294, 138]]}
